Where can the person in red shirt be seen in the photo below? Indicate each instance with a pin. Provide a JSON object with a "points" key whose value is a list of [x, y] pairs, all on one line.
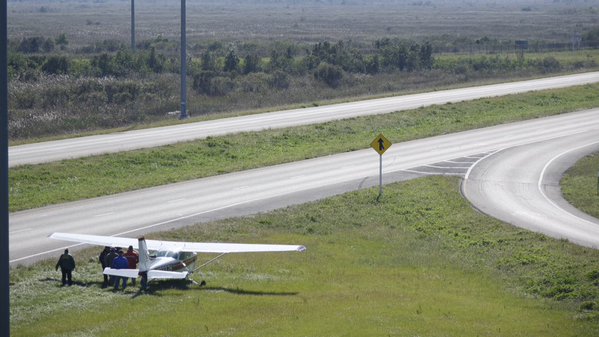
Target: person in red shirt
{"points": [[133, 258]]}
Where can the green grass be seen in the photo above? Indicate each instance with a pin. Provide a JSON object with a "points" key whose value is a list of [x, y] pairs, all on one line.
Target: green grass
{"points": [[580, 185], [38, 185], [566, 58], [421, 262]]}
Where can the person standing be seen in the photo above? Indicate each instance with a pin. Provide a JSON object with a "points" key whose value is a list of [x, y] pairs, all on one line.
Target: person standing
{"points": [[67, 264], [108, 263], [102, 259], [133, 258], [120, 262], [144, 280]]}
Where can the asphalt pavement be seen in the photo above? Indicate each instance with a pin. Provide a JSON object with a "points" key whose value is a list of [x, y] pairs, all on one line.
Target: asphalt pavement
{"points": [[146, 138], [520, 186], [263, 189]]}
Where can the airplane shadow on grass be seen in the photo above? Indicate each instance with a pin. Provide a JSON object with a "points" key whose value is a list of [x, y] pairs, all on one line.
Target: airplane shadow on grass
{"points": [[238, 291], [58, 281], [157, 288]]}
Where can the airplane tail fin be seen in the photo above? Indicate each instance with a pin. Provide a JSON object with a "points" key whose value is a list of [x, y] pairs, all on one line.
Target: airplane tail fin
{"points": [[144, 255]]}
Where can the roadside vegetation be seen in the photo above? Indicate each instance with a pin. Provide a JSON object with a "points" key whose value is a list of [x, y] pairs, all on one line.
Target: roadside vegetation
{"points": [[64, 83], [38, 185], [420, 262], [69, 94], [580, 185]]}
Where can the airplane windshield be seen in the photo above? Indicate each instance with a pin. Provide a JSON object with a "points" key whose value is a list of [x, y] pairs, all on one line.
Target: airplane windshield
{"points": [[174, 255]]}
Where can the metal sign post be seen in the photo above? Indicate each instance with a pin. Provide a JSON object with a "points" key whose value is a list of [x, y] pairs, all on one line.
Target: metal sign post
{"points": [[380, 177], [380, 144]]}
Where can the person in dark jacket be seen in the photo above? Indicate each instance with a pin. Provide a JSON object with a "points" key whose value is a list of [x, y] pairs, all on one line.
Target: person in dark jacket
{"points": [[120, 262], [102, 259], [108, 263], [67, 264]]}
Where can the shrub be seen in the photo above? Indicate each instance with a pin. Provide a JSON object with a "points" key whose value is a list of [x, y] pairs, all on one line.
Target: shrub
{"points": [[591, 38], [202, 81], [550, 64], [328, 73], [587, 306], [56, 65], [220, 86], [255, 82], [279, 80], [31, 44], [231, 61]]}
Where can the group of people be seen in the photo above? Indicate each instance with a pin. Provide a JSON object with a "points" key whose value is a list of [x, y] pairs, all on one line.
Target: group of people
{"points": [[111, 257], [115, 258]]}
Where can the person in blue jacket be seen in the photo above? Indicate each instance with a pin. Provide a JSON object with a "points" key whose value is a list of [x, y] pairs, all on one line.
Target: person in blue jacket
{"points": [[120, 262]]}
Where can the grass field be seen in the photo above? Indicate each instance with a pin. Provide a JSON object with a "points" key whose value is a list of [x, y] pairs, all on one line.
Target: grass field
{"points": [[580, 185], [304, 20], [421, 262], [38, 185]]}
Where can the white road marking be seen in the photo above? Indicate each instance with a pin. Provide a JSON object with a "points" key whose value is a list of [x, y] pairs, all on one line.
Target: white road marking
{"points": [[478, 161], [103, 214], [542, 176], [46, 252]]}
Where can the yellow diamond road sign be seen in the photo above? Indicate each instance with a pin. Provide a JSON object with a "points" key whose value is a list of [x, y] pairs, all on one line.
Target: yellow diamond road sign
{"points": [[380, 144]]}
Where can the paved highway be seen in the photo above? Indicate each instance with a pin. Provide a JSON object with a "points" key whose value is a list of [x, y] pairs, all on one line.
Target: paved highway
{"points": [[271, 187], [520, 186], [137, 139]]}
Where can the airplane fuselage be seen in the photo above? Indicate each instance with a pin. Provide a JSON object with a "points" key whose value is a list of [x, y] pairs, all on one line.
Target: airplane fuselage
{"points": [[173, 261]]}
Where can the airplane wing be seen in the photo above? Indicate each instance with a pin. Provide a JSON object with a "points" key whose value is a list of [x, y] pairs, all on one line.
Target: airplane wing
{"points": [[99, 240], [152, 274], [221, 248], [196, 247]]}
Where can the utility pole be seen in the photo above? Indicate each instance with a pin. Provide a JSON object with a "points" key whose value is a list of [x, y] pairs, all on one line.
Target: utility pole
{"points": [[4, 251], [133, 25], [183, 114]]}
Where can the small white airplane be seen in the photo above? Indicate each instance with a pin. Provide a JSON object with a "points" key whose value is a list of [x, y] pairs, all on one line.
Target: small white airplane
{"points": [[171, 259]]}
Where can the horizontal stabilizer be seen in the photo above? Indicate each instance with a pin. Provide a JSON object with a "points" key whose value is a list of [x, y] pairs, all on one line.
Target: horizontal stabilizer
{"points": [[133, 273], [166, 275], [152, 274]]}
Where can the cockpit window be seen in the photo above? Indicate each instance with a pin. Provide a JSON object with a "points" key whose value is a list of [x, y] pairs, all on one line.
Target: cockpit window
{"points": [[174, 255]]}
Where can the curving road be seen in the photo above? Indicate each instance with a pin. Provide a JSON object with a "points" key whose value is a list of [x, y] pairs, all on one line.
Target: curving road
{"points": [[137, 139], [520, 186], [267, 188]]}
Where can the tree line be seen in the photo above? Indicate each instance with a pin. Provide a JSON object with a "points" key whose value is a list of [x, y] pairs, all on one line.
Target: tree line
{"points": [[218, 66], [105, 84], [217, 69]]}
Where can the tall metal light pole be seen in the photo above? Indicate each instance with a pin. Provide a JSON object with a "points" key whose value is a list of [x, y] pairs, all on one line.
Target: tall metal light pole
{"points": [[4, 264], [133, 25], [183, 114]]}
